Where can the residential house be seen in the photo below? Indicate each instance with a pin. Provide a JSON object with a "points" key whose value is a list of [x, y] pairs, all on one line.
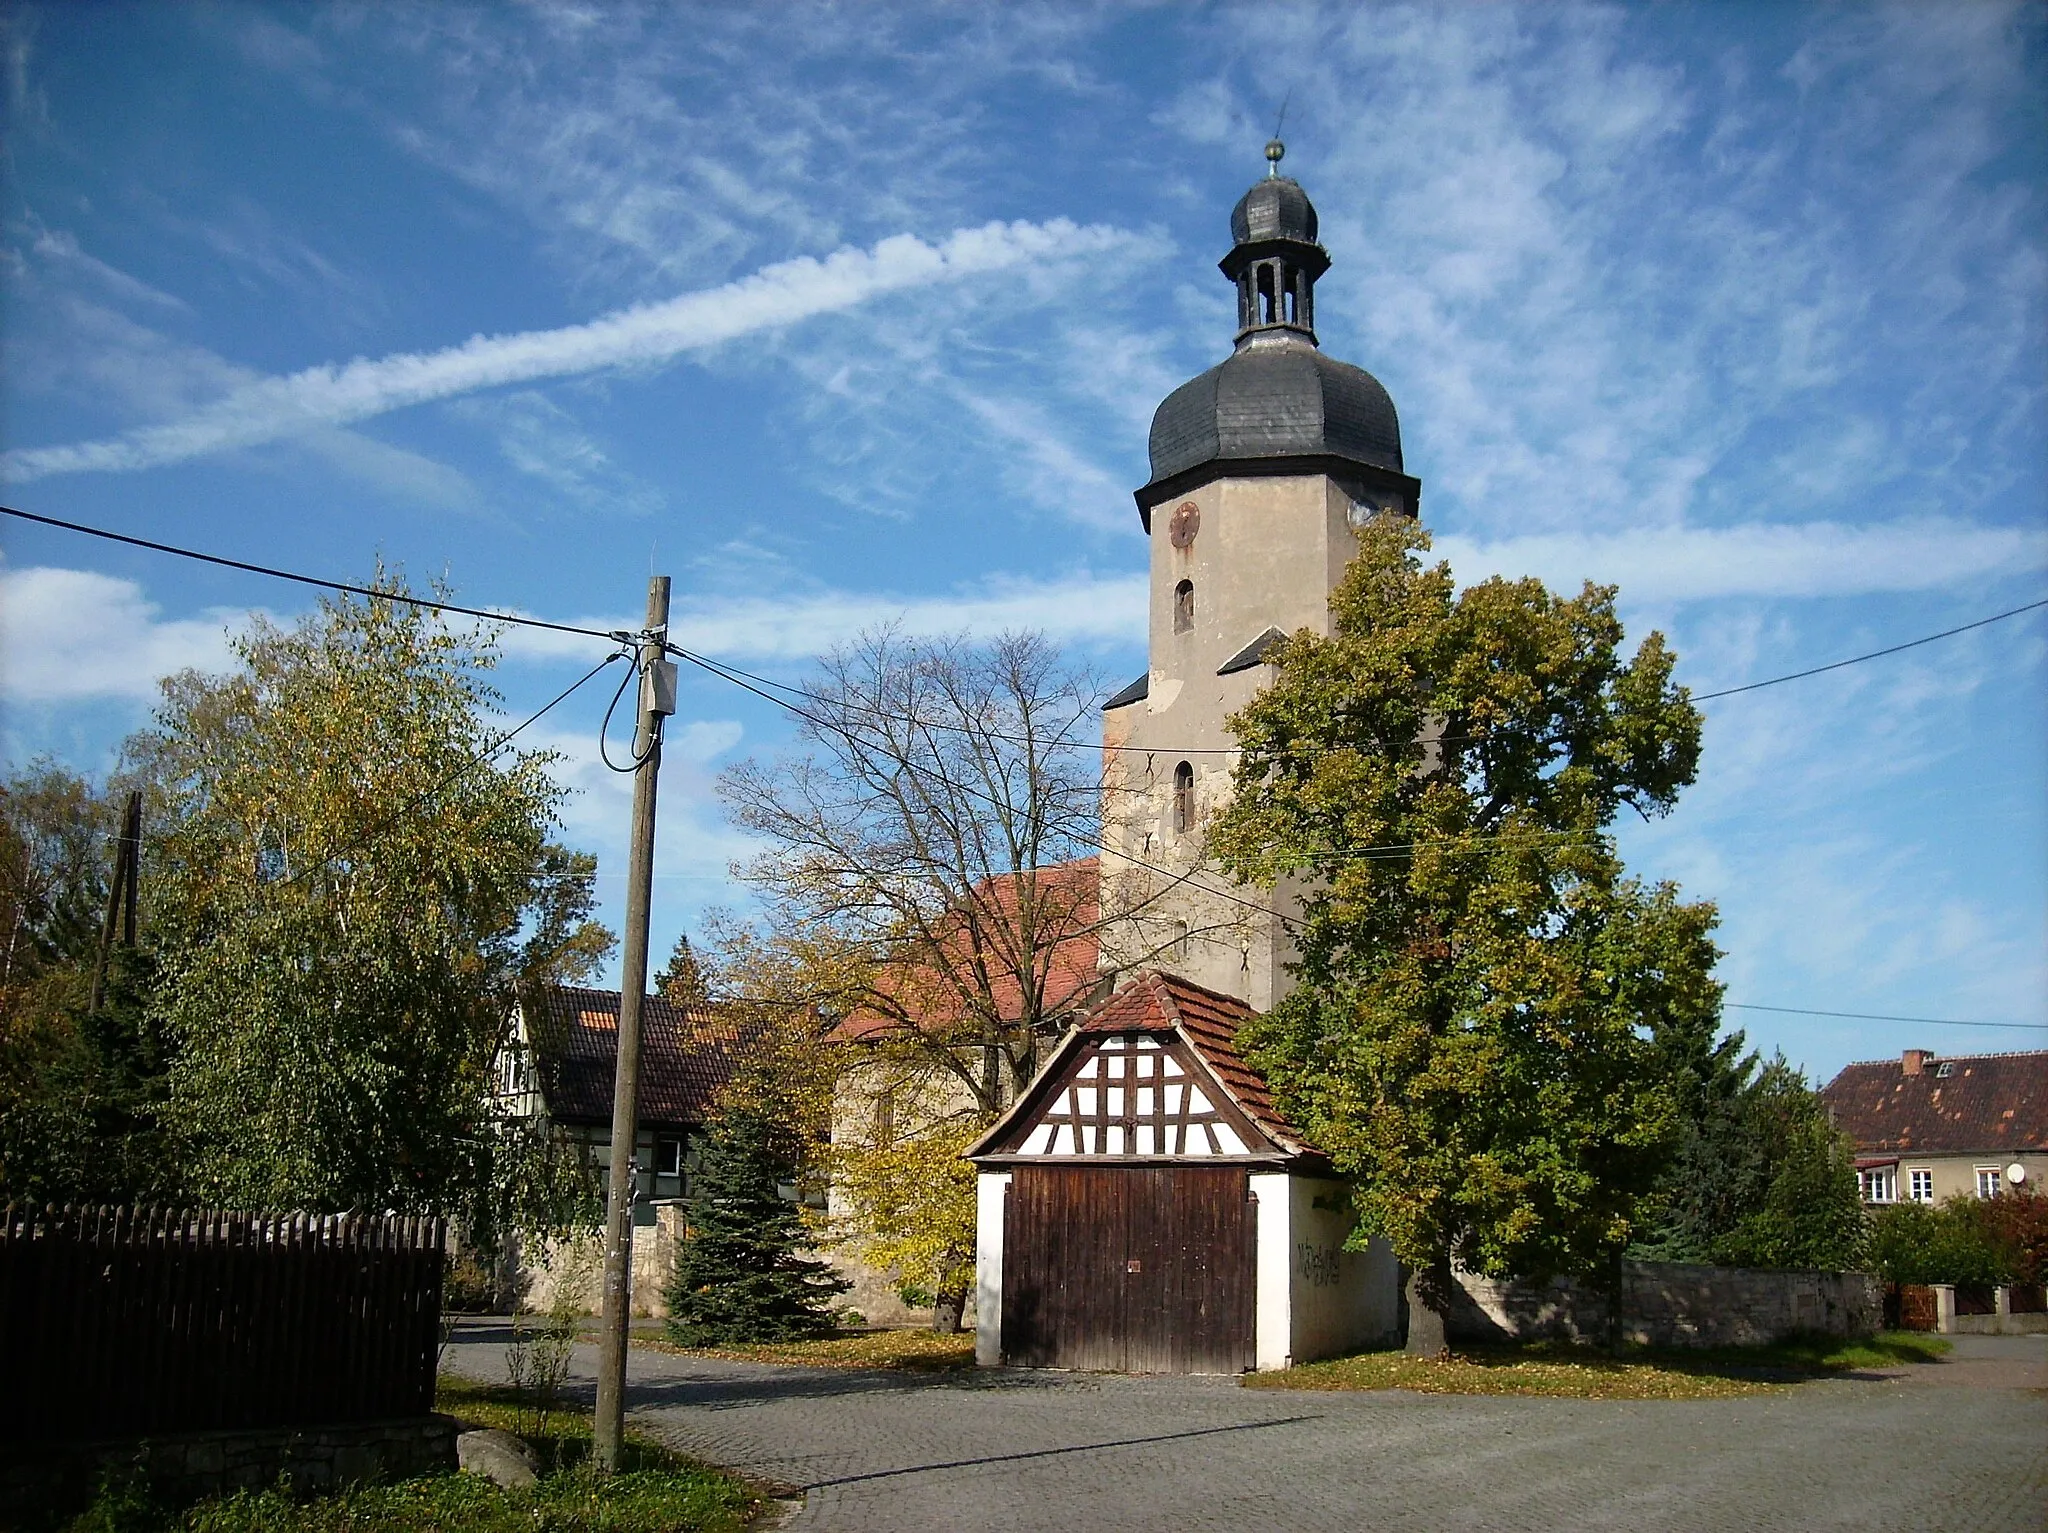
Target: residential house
{"points": [[559, 1062], [1928, 1127]]}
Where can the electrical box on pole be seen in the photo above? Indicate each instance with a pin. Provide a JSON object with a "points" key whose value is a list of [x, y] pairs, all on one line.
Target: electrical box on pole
{"points": [[657, 701]]}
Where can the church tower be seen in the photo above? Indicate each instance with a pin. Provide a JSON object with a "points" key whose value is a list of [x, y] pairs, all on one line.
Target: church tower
{"points": [[1261, 467]]}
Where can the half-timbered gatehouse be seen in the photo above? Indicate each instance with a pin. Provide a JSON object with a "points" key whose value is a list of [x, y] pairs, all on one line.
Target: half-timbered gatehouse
{"points": [[1144, 1208]]}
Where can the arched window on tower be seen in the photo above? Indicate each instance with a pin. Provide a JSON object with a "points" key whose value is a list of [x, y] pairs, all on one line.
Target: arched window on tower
{"points": [[1266, 294], [1184, 606], [1183, 799]]}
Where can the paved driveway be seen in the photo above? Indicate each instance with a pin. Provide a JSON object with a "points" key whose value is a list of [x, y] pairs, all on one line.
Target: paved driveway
{"points": [[1000, 1450]]}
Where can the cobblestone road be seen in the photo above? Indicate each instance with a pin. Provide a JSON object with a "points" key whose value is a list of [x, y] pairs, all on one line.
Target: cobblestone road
{"points": [[882, 1453]]}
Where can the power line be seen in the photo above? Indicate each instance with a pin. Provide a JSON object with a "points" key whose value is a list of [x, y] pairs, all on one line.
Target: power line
{"points": [[480, 758], [764, 681], [1875, 654], [305, 580], [1226, 750], [735, 678], [1871, 1016]]}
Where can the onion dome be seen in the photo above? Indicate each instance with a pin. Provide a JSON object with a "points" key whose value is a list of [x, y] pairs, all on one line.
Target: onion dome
{"points": [[1277, 404]]}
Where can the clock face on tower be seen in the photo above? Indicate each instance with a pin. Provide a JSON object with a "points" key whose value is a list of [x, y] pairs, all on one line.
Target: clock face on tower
{"points": [[1187, 521], [1366, 506]]}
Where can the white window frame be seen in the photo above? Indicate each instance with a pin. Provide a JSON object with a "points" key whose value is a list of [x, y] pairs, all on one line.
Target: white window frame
{"points": [[1920, 1184], [1880, 1184], [1992, 1177]]}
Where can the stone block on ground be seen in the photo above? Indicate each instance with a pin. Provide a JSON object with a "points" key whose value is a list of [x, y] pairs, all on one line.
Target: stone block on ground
{"points": [[497, 1456]]}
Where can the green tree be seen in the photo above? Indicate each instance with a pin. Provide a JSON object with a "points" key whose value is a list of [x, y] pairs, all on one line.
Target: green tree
{"points": [[1469, 1037], [740, 1275], [907, 1195], [345, 897], [1952, 1242], [682, 982], [1760, 1177], [82, 1093]]}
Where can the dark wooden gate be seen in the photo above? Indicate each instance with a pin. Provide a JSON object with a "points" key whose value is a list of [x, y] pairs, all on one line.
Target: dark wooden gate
{"points": [[1140, 1269]]}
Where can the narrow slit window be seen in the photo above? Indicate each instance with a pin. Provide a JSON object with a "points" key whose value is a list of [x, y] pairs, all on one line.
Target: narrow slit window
{"points": [[1265, 295], [1183, 798], [1184, 606]]}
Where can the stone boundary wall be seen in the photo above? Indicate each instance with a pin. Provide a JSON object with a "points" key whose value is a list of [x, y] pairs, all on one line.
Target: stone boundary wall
{"points": [[211, 1463], [1673, 1304]]}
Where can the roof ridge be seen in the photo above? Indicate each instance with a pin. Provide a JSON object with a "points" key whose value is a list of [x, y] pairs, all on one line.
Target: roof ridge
{"points": [[1940, 1058], [1216, 995], [1162, 992]]}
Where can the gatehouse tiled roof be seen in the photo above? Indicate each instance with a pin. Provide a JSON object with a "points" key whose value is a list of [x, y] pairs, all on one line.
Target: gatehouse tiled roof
{"points": [[1158, 1002], [685, 1057], [1971, 1104], [1206, 1021]]}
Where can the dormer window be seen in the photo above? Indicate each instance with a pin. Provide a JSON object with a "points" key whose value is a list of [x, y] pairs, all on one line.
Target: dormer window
{"points": [[1943, 1070], [1184, 606]]}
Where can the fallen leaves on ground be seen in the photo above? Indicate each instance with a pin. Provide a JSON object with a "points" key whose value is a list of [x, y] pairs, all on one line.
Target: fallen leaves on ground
{"points": [[909, 1351], [1581, 1373]]}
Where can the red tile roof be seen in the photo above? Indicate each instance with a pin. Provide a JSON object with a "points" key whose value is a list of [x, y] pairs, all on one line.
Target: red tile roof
{"points": [[1208, 1020], [1158, 1002], [1984, 1103], [1069, 890], [685, 1057]]}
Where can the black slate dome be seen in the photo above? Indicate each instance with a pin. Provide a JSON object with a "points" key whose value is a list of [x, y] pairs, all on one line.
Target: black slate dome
{"points": [[1275, 208], [1277, 404], [1274, 401]]}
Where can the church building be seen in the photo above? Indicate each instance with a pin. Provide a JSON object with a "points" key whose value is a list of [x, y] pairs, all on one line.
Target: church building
{"points": [[1143, 1205]]}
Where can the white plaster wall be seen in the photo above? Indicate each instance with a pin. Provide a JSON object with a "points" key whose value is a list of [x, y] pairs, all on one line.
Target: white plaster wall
{"points": [[991, 1190], [1272, 1339], [1339, 1301]]}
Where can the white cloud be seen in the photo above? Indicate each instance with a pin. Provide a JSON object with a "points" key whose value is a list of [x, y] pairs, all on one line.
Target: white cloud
{"points": [[66, 635], [73, 634], [1803, 559], [59, 246], [540, 439], [643, 335], [1086, 610], [71, 347], [1050, 469], [1082, 610]]}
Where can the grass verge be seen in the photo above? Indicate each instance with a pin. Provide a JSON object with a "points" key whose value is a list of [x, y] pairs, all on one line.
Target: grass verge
{"points": [[655, 1491], [905, 1351], [1561, 1370]]}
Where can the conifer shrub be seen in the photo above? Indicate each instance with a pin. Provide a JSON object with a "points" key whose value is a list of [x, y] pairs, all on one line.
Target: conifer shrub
{"points": [[740, 1275]]}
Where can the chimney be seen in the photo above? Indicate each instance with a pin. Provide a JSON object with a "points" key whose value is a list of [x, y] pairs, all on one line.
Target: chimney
{"points": [[1915, 1060]]}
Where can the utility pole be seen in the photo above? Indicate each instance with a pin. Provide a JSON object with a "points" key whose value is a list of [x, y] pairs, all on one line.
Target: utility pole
{"points": [[120, 896], [657, 701]]}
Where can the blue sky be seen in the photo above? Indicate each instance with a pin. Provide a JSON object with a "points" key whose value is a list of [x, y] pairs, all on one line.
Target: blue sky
{"points": [[844, 315]]}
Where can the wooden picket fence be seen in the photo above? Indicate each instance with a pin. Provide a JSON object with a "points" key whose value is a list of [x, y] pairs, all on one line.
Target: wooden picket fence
{"points": [[122, 1322]]}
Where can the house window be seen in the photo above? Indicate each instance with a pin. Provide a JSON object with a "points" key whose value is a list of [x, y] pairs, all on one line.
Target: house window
{"points": [[1990, 1181], [1880, 1184], [1920, 1184], [1183, 798], [1184, 606], [668, 1157], [1944, 1070]]}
